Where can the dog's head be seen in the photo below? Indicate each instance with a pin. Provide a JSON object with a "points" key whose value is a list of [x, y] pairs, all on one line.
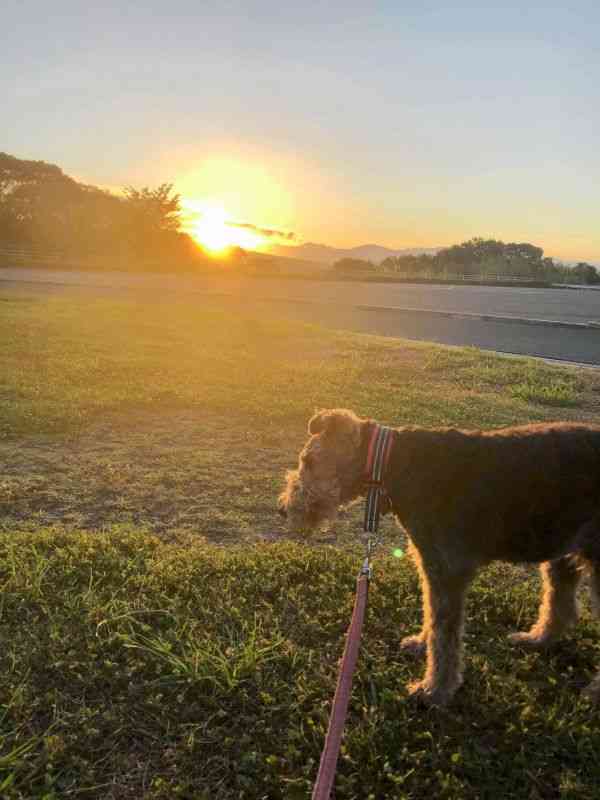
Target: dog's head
{"points": [[330, 470]]}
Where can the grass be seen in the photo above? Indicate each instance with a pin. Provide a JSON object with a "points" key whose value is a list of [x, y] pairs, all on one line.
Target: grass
{"points": [[181, 418], [134, 667], [559, 392], [143, 659], [66, 364]]}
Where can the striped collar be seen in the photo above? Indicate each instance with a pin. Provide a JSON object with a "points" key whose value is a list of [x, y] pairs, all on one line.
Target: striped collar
{"points": [[380, 446]]}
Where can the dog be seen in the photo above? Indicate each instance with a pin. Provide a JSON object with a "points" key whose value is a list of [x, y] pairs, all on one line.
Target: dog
{"points": [[467, 498]]}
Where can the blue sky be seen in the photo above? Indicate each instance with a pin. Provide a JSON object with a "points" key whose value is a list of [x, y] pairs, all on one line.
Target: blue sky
{"points": [[399, 123]]}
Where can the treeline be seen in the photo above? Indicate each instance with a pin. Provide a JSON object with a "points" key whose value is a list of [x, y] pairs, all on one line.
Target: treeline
{"points": [[43, 208], [479, 259]]}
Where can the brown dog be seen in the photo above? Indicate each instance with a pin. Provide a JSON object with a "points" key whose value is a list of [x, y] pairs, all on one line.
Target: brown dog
{"points": [[466, 498]]}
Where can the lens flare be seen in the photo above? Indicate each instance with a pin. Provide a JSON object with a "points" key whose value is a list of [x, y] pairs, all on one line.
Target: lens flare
{"points": [[215, 231]]}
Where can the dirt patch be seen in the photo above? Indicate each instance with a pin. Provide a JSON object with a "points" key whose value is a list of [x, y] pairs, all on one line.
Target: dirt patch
{"points": [[168, 472], [172, 472]]}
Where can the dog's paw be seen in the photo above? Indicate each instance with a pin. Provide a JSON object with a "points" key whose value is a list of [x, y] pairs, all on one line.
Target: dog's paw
{"points": [[531, 641], [428, 695], [413, 646]]}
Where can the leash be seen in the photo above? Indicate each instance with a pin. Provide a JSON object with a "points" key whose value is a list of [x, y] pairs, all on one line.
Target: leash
{"points": [[380, 446], [333, 740]]}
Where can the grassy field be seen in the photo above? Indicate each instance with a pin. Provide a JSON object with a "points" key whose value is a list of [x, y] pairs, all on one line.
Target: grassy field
{"points": [[142, 658]]}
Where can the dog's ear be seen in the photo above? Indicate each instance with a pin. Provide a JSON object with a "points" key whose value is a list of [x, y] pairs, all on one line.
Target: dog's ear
{"points": [[322, 420], [336, 421]]}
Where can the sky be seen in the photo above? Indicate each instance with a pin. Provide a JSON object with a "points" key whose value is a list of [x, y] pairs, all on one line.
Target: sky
{"points": [[397, 123]]}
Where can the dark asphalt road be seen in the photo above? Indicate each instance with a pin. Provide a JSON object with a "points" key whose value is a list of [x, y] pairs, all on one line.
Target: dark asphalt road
{"points": [[565, 344], [394, 309], [569, 305]]}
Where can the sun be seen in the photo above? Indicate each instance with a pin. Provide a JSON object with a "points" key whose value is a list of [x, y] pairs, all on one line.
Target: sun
{"points": [[214, 230]]}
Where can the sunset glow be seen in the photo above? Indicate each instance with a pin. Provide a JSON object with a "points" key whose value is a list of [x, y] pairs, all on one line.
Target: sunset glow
{"points": [[215, 231], [345, 151], [235, 197]]}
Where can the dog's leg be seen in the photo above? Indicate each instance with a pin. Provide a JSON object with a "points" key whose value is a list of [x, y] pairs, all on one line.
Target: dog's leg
{"points": [[416, 645], [558, 608], [443, 603], [592, 690]]}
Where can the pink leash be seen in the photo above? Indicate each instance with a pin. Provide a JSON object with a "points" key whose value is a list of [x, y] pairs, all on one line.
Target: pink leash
{"points": [[329, 757], [380, 446]]}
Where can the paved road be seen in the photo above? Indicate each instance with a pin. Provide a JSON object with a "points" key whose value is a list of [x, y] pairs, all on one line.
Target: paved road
{"points": [[496, 318], [572, 305]]}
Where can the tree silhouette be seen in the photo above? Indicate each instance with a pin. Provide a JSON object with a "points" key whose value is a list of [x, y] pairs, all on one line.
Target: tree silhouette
{"points": [[153, 209]]}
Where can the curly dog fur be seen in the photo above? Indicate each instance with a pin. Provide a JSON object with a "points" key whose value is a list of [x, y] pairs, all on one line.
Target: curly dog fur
{"points": [[467, 498]]}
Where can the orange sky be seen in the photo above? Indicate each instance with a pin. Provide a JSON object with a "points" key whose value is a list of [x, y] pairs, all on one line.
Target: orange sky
{"points": [[401, 124], [300, 197]]}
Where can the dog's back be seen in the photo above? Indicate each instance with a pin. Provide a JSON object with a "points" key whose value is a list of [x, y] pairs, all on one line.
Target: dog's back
{"points": [[520, 494]]}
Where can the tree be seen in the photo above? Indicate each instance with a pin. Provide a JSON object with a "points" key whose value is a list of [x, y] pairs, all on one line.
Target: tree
{"points": [[523, 251], [586, 273], [152, 210], [23, 185], [353, 265], [15, 172], [41, 205]]}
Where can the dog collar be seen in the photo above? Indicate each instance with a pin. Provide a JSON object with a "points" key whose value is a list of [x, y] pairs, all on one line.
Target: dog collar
{"points": [[380, 446]]}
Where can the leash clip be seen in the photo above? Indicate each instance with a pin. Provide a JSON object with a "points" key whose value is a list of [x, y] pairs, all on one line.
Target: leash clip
{"points": [[371, 543], [366, 571]]}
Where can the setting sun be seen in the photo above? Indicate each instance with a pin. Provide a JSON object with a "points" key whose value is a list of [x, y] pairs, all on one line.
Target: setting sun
{"points": [[215, 231]]}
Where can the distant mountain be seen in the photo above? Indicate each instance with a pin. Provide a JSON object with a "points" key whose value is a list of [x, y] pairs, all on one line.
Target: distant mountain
{"points": [[324, 254]]}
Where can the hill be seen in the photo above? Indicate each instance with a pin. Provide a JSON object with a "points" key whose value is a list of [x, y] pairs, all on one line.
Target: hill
{"points": [[325, 254]]}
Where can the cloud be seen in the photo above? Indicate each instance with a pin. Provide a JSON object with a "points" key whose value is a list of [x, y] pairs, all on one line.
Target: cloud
{"points": [[268, 233]]}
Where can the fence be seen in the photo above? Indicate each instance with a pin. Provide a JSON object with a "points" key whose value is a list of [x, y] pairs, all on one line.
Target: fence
{"points": [[13, 256], [36, 257]]}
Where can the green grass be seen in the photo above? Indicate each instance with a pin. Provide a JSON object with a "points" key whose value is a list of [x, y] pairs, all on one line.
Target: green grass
{"points": [[138, 668], [559, 392], [181, 418], [142, 659], [66, 363]]}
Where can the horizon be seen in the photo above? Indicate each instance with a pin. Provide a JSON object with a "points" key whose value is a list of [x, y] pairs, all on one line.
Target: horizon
{"points": [[212, 229], [402, 127]]}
